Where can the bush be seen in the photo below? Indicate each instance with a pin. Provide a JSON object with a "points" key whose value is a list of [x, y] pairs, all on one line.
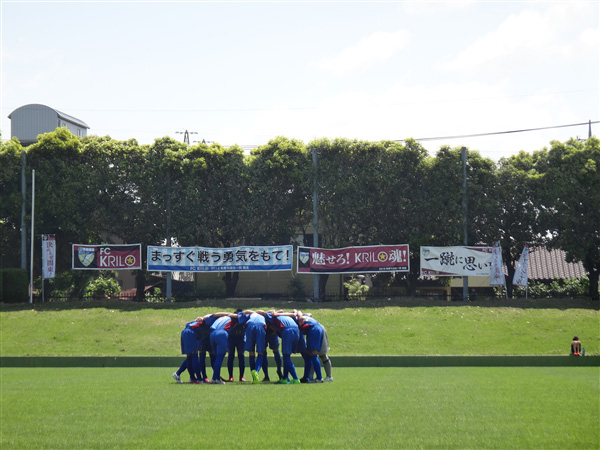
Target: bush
{"points": [[103, 286], [14, 285], [296, 288], [356, 289], [556, 288]]}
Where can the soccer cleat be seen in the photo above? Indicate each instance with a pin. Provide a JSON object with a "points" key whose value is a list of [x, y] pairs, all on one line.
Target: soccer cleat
{"points": [[283, 381], [255, 379], [242, 380], [266, 380], [217, 382], [328, 379], [206, 380], [177, 378], [231, 380], [295, 381]]}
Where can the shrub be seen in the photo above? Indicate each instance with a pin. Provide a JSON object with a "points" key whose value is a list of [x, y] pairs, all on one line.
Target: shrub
{"points": [[103, 286], [14, 285], [356, 289]]}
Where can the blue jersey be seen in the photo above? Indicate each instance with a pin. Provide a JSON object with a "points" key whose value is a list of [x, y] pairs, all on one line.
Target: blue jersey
{"points": [[223, 323]]}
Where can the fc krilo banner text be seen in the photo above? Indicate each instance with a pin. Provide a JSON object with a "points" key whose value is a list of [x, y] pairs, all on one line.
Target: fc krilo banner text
{"points": [[107, 257], [366, 259]]}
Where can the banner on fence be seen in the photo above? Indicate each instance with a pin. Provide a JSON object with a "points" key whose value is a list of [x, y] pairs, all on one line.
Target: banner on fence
{"points": [[456, 261], [520, 277], [48, 256], [233, 259], [376, 258], [496, 271], [107, 257]]}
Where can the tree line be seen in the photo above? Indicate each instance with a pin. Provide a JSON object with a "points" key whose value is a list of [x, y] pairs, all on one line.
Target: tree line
{"points": [[89, 190]]}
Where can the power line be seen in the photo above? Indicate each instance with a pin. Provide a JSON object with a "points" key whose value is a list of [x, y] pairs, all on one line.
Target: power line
{"points": [[498, 132]]}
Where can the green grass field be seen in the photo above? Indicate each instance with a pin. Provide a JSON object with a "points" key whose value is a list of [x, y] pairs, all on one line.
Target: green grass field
{"points": [[399, 327], [364, 408]]}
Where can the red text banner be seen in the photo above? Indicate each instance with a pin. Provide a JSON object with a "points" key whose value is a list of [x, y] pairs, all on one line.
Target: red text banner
{"points": [[107, 257], [366, 259]]}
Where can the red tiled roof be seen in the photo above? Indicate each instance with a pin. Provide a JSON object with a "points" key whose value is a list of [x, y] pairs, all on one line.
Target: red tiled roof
{"points": [[547, 264]]}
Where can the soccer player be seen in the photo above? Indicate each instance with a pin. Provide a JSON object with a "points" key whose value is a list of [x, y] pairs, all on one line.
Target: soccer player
{"points": [[287, 329], [237, 341], [255, 340], [576, 347], [317, 346], [190, 345], [273, 344], [219, 337]]}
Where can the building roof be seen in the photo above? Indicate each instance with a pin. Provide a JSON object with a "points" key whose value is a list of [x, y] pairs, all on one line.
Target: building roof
{"points": [[60, 114], [546, 264]]}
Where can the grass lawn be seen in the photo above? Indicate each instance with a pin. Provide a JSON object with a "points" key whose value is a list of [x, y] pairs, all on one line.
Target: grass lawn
{"points": [[364, 408], [394, 327]]}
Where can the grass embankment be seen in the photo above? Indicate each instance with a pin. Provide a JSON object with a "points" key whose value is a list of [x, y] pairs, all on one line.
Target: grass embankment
{"points": [[394, 327]]}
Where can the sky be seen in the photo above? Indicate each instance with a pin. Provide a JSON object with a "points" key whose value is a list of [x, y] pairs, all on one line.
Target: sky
{"points": [[245, 72]]}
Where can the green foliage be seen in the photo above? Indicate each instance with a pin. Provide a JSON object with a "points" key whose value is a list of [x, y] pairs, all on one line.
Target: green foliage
{"points": [[356, 289], [105, 286], [570, 288], [14, 285], [97, 189], [155, 296], [296, 288]]}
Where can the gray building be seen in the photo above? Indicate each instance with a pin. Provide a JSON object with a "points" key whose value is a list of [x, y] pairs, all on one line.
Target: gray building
{"points": [[28, 121]]}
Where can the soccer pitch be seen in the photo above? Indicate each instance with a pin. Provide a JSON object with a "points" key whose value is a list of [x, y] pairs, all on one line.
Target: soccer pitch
{"points": [[364, 408]]}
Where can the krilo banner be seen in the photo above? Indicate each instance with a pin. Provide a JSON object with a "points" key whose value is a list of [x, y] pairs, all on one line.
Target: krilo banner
{"points": [[107, 257], [456, 261], [377, 258], [232, 259]]}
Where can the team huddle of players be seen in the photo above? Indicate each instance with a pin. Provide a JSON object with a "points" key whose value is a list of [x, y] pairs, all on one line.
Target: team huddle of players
{"points": [[252, 331]]}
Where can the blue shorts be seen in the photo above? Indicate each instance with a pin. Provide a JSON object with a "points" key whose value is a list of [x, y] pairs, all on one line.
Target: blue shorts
{"points": [[189, 342], [289, 340], [301, 344], [255, 338], [219, 341], [314, 338]]}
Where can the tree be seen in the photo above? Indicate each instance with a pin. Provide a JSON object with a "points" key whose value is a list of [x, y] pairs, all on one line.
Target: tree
{"points": [[571, 188], [211, 204], [280, 186], [10, 203], [517, 217]]}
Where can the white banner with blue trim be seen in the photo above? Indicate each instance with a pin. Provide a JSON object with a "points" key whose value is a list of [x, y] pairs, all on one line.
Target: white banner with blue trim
{"points": [[232, 259]]}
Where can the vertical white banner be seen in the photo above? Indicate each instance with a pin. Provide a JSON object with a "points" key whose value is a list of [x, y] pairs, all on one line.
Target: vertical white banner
{"points": [[48, 256], [496, 271], [520, 277]]}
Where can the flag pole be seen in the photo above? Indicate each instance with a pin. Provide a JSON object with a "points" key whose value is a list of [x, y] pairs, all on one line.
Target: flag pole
{"points": [[32, 235]]}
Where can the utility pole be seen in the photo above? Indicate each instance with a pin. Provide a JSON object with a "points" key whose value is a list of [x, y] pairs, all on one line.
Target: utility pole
{"points": [[23, 201], [315, 223], [186, 135], [463, 154]]}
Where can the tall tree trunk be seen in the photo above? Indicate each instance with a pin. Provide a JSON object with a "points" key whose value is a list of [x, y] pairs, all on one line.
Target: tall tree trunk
{"points": [[231, 280]]}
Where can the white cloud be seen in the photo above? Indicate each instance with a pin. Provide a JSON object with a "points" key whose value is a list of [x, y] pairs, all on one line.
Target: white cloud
{"points": [[376, 48], [527, 37]]}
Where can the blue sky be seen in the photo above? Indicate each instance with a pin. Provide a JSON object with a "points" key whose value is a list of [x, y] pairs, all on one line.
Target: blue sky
{"points": [[245, 72]]}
